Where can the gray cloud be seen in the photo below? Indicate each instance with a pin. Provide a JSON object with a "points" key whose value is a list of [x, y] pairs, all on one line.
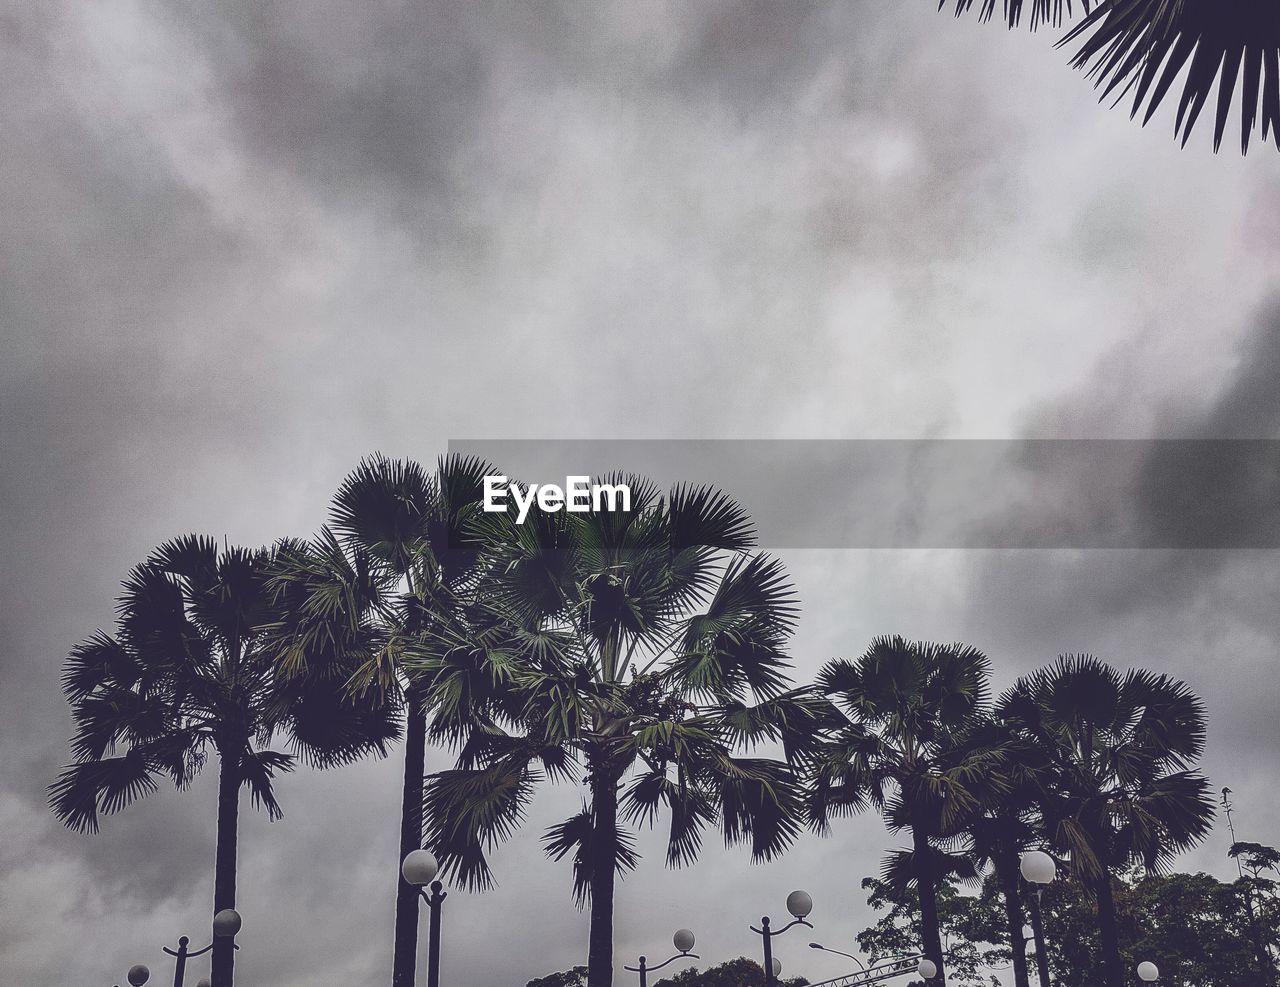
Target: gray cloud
{"points": [[250, 243]]}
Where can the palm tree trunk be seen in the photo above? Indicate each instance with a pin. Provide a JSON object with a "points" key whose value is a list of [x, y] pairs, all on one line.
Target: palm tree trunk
{"points": [[1108, 933], [1006, 863], [930, 932], [224, 870], [603, 867], [404, 957]]}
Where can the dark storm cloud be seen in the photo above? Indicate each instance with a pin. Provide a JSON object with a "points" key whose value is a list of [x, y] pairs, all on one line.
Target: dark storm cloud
{"points": [[364, 101], [248, 243]]}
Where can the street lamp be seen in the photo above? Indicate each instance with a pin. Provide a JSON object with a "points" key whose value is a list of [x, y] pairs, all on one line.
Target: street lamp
{"points": [[1148, 972], [683, 940], [138, 975], [419, 869], [838, 952], [226, 923], [927, 969], [1038, 869], [799, 904]]}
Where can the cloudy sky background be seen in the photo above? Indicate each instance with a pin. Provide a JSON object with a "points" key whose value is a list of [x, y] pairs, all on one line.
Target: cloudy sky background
{"points": [[249, 243]]}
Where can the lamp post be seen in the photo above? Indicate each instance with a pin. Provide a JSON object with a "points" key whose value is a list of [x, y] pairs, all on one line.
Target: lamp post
{"points": [[1148, 972], [683, 940], [419, 869], [799, 904], [1038, 870], [838, 952], [226, 923]]}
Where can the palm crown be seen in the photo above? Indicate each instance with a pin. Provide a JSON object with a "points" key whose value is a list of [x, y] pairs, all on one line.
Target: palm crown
{"points": [[185, 675], [188, 672], [909, 712], [647, 646], [391, 570], [1119, 785]]}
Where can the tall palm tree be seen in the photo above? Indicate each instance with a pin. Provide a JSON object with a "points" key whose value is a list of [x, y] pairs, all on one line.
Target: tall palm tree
{"points": [[647, 648], [394, 562], [903, 747], [185, 676], [1119, 751], [1141, 46], [1008, 824]]}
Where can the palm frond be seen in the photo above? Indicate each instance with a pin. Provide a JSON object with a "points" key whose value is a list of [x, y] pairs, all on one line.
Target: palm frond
{"points": [[1141, 46], [257, 773], [469, 811], [85, 790], [577, 836], [1052, 12]]}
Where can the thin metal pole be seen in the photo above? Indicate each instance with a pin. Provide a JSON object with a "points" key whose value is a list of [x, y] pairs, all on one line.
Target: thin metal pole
{"points": [[768, 952], [180, 967], [1037, 930], [438, 894]]}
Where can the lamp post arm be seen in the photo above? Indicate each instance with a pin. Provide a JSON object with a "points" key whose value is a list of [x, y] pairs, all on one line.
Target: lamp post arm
{"points": [[678, 956], [766, 931], [198, 952]]}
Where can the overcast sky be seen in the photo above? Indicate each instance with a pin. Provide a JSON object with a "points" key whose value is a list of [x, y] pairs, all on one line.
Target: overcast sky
{"points": [[248, 243]]}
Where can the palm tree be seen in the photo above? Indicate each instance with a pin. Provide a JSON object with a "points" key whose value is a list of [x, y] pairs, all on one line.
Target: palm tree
{"points": [[1007, 825], [646, 647], [185, 676], [1140, 47], [1119, 749], [394, 562], [903, 747]]}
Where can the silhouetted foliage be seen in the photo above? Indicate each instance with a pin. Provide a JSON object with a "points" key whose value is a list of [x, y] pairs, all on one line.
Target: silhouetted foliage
{"points": [[741, 972], [1138, 49]]}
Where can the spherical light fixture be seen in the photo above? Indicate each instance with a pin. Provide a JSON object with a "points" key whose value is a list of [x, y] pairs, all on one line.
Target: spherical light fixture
{"points": [[1148, 971], [138, 975], [226, 923], [1038, 867], [777, 967], [799, 903], [419, 868], [683, 940], [927, 969]]}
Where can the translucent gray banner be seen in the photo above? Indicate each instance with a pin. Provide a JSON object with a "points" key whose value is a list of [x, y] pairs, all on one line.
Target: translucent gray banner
{"points": [[1037, 493]]}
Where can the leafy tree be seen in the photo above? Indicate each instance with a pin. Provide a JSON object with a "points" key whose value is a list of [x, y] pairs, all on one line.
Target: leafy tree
{"points": [[393, 565], [909, 712], [899, 931], [1255, 858], [576, 977], [741, 972], [1119, 748], [1141, 46], [647, 647], [1262, 897], [1190, 924], [186, 675]]}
